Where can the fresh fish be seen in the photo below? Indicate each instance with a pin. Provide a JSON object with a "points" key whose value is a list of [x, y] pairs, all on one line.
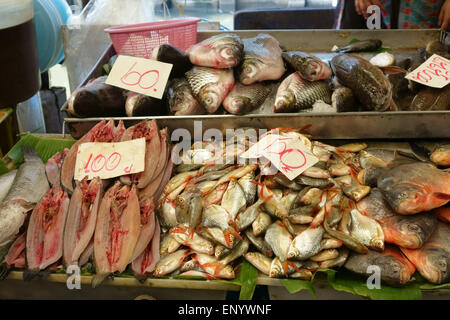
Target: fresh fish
{"points": [[219, 51], [405, 231], [101, 132], [237, 173], [53, 168], [302, 274], [366, 230], [313, 182], [195, 211], [16, 254], [6, 181], [169, 54], [139, 105], [117, 230], [212, 175], [239, 250], [352, 188], [168, 244], [261, 223], [339, 169], [243, 99], [324, 255], [366, 81], [330, 243], [310, 196], [273, 204], [171, 262], [295, 94], [262, 60], [81, 219], [214, 267], [248, 185], [247, 217], [433, 259], [431, 99], [443, 213], [300, 219], [146, 262], [440, 156], [210, 86], [259, 243], [97, 99], [345, 236], [88, 253], [259, 261], [190, 238], [279, 239], [44, 245], [360, 46], [217, 235], [282, 180], [221, 251], [181, 99], [315, 172], [217, 216], [148, 226], [148, 130], [352, 147], [190, 265], [28, 187], [437, 47], [336, 262], [395, 269], [177, 181], [306, 244], [308, 66], [415, 187]]}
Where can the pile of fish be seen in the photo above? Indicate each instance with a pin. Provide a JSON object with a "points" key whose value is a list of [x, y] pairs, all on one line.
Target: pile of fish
{"points": [[357, 207], [108, 223], [255, 75]]}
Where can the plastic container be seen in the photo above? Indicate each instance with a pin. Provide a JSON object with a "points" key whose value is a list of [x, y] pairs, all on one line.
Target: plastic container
{"points": [[138, 40]]}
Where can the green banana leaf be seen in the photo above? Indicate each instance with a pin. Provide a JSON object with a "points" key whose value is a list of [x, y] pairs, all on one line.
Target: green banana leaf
{"points": [[246, 277], [45, 147], [3, 168], [295, 285]]}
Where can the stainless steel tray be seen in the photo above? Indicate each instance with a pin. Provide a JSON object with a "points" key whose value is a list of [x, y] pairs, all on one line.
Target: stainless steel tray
{"points": [[355, 125]]}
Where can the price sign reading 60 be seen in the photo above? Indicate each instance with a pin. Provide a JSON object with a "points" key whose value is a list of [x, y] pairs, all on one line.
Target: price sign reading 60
{"points": [[109, 160], [140, 75]]}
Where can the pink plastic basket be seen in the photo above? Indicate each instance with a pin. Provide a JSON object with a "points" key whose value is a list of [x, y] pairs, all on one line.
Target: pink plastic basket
{"points": [[138, 40]]}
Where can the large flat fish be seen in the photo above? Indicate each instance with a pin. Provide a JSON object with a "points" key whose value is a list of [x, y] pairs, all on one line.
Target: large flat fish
{"points": [[117, 231], [415, 187], [433, 259], [405, 231], [28, 187], [395, 269]]}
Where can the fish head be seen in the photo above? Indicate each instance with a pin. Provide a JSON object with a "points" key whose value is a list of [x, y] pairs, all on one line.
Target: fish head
{"points": [[406, 198], [436, 266], [285, 101], [240, 103], [210, 99], [230, 52], [249, 69]]}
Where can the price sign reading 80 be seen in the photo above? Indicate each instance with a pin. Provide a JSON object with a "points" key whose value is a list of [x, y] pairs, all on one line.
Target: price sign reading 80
{"points": [[109, 160], [290, 158], [140, 75]]}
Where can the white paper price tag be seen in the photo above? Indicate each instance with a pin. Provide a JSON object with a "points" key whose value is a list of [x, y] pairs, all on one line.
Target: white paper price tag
{"points": [[288, 154], [109, 160], [435, 72], [140, 75]]}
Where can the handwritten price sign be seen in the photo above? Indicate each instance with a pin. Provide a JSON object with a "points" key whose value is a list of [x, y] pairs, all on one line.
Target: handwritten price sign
{"points": [[288, 154], [435, 72], [140, 75], [109, 160]]}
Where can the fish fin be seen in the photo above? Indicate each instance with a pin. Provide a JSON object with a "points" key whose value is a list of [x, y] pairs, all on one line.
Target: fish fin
{"points": [[442, 196], [29, 153], [392, 70]]}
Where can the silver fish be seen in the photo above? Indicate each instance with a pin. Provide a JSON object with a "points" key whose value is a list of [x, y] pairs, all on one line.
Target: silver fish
{"points": [[366, 230], [248, 185], [239, 250], [6, 181], [233, 199], [261, 223], [171, 262], [279, 239], [306, 244], [259, 261], [259, 243]]}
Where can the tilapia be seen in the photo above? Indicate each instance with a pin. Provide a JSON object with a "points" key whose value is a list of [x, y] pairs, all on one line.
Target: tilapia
{"points": [[181, 100], [6, 181], [153, 149], [219, 51], [45, 231], [117, 230], [279, 239], [405, 231], [395, 268], [310, 67], [243, 99], [28, 187], [415, 187], [81, 219], [210, 86], [366, 81], [146, 262], [262, 60], [440, 156], [101, 132], [360, 46], [433, 259], [306, 244], [295, 94]]}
